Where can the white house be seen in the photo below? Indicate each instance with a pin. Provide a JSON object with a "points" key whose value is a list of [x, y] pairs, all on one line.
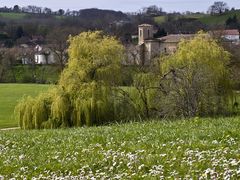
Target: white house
{"points": [[44, 58], [41, 56], [231, 35]]}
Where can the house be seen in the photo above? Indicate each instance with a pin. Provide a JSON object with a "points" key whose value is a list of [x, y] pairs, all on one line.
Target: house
{"points": [[44, 57], [229, 35], [150, 47], [41, 55]]}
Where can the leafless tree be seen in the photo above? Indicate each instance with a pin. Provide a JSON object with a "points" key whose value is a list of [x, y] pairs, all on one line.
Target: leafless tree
{"points": [[218, 7], [57, 43], [8, 59]]}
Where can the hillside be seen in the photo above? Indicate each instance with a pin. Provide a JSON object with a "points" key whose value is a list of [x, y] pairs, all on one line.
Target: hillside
{"points": [[203, 18], [12, 16], [186, 149], [84, 13], [219, 19]]}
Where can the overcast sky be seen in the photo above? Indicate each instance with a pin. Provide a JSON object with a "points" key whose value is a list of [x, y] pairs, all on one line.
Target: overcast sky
{"points": [[123, 5]]}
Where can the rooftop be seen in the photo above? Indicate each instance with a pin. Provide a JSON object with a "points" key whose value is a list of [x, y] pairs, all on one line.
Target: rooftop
{"points": [[226, 32], [175, 38], [145, 25]]}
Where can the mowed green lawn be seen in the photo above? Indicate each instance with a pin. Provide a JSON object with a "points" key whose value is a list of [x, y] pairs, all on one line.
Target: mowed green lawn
{"points": [[9, 95], [182, 149]]}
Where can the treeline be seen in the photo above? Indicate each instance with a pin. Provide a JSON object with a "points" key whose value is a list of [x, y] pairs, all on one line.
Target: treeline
{"points": [[31, 9], [35, 21]]}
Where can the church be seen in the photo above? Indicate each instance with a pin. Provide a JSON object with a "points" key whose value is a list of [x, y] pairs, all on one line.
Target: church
{"points": [[150, 47]]}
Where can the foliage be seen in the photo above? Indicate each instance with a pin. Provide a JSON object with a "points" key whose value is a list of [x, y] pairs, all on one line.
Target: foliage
{"points": [[86, 91], [185, 149], [199, 83], [44, 74], [194, 81], [232, 22]]}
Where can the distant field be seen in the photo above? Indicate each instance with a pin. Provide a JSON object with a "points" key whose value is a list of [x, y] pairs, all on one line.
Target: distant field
{"points": [[183, 149], [14, 16], [160, 19], [204, 18], [9, 95]]}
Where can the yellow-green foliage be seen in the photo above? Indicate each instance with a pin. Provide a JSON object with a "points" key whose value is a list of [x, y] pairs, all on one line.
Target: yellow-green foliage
{"points": [[201, 83], [85, 93], [92, 57], [201, 51]]}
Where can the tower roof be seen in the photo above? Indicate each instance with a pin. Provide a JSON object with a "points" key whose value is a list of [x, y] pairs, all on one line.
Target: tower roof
{"points": [[145, 25]]}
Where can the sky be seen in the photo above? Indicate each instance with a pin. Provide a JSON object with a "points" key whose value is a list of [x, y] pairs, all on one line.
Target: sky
{"points": [[122, 5]]}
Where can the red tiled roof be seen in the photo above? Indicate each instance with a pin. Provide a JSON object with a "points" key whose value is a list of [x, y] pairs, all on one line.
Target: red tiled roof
{"points": [[225, 32], [231, 32]]}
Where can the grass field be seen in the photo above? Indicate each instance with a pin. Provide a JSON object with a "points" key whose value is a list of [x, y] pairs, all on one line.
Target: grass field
{"points": [[160, 19], [9, 95], [14, 16], [197, 149], [204, 18], [218, 19]]}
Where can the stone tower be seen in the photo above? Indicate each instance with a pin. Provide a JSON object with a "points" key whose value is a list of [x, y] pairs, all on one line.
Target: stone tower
{"points": [[145, 31]]}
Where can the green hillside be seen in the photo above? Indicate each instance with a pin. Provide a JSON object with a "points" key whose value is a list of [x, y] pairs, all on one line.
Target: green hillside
{"points": [[9, 95], [160, 19], [13, 16], [204, 18], [219, 19]]}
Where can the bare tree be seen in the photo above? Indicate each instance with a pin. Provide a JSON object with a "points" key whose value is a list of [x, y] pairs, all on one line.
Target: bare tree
{"points": [[8, 59], [218, 7], [57, 43]]}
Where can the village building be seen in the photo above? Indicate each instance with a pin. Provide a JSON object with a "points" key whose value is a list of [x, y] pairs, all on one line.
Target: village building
{"points": [[150, 47], [229, 35], [41, 56]]}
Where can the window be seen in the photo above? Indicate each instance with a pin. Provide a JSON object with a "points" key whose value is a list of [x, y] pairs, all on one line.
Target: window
{"points": [[140, 33], [148, 33]]}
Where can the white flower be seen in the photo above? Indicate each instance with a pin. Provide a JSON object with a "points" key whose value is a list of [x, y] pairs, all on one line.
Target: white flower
{"points": [[234, 162], [21, 157], [163, 155], [140, 167], [215, 142]]}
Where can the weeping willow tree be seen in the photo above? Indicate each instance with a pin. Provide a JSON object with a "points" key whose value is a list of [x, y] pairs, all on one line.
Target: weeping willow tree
{"points": [[199, 82], [86, 91]]}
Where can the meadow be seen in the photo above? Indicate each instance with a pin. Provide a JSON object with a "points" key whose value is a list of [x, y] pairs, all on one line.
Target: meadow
{"points": [[187, 149], [204, 18], [13, 16], [9, 96]]}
